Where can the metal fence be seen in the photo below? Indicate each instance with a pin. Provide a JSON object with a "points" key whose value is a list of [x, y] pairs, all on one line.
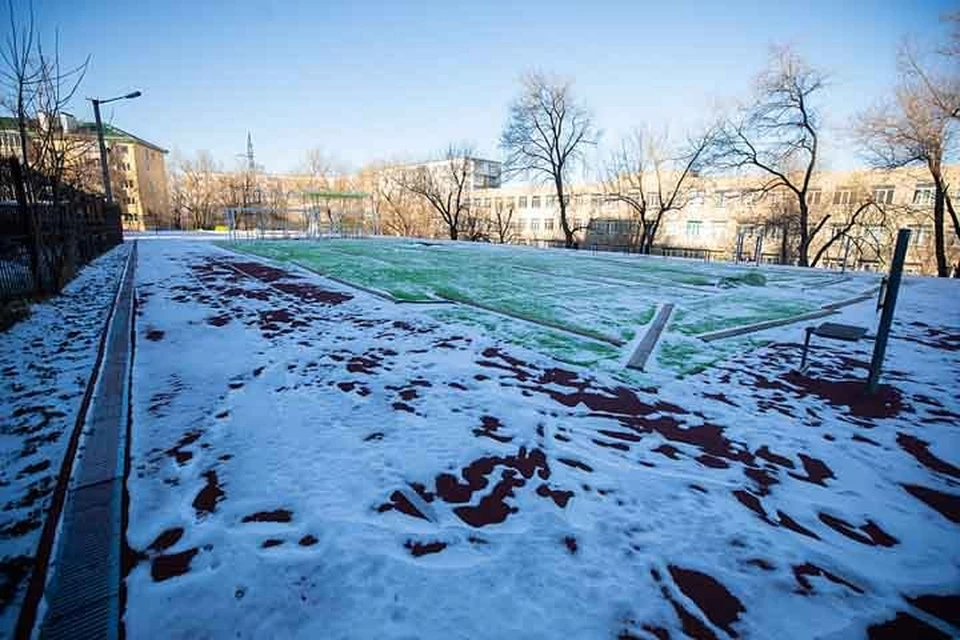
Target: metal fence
{"points": [[48, 231]]}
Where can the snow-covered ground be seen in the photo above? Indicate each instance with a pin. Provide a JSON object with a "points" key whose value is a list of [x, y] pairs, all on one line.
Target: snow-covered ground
{"points": [[45, 362], [313, 461]]}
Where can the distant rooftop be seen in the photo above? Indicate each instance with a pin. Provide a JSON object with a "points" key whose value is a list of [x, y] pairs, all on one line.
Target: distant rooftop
{"points": [[110, 132]]}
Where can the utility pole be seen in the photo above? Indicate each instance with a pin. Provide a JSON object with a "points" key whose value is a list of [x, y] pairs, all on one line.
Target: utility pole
{"points": [[104, 167]]}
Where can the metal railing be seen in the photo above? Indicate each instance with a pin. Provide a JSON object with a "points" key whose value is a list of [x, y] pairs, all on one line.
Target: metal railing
{"points": [[48, 230]]}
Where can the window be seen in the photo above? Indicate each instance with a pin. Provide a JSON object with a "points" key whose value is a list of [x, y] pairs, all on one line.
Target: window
{"points": [[475, 202], [919, 234], [718, 227], [597, 199], [486, 203], [498, 203], [923, 194], [551, 201], [522, 202], [548, 224], [534, 224], [579, 223], [883, 194], [693, 228], [697, 198], [725, 197], [813, 196], [843, 195], [651, 198], [535, 202]]}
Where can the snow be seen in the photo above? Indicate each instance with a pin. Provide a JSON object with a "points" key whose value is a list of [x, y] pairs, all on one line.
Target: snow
{"points": [[743, 499], [45, 362], [585, 302]]}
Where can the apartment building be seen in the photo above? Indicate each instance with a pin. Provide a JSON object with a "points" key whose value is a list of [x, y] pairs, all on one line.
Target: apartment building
{"points": [[137, 167], [480, 173], [724, 215]]}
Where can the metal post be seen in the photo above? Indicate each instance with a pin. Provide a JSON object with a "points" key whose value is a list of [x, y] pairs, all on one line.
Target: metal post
{"points": [[806, 346], [889, 304], [846, 253], [108, 192]]}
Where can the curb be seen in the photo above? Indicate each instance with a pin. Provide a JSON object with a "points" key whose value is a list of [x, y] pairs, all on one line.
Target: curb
{"points": [[516, 316], [760, 326], [639, 358]]}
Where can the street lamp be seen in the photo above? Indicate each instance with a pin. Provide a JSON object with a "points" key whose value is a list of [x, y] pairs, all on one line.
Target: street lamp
{"points": [[108, 192]]}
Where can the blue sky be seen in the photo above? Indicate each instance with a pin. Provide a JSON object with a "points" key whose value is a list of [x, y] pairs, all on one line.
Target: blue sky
{"points": [[375, 80]]}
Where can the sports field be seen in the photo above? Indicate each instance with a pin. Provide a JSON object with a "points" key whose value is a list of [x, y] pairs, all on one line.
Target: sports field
{"points": [[308, 459], [584, 308]]}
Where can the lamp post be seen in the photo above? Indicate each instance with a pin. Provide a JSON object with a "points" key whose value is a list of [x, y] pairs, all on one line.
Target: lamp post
{"points": [[107, 190]]}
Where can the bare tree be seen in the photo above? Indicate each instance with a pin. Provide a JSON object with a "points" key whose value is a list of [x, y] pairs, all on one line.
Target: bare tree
{"points": [[402, 213], [651, 181], [177, 194], [319, 167], [39, 87], [937, 74], [501, 223], [917, 128], [778, 135], [201, 192], [275, 195], [852, 221], [545, 135], [475, 225], [445, 185], [20, 74]]}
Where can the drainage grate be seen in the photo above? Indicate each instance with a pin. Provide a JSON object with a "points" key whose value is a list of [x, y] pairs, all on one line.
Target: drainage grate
{"points": [[83, 594]]}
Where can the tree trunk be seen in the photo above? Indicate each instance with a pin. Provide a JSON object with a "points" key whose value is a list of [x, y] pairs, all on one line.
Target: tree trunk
{"points": [[454, 233], [953, 214], [783, 246], [651, 234], [803, 257], [22, 130], [646, 240], [568, 238], [939, 241]]}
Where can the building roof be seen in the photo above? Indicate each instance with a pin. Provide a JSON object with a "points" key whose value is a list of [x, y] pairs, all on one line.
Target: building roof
{"points": [[110, 132]]}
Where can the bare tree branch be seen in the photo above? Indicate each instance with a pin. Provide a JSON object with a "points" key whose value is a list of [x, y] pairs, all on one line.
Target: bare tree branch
{"points": [[779, 135], [544, 137], [445, 186], [917, 127]]}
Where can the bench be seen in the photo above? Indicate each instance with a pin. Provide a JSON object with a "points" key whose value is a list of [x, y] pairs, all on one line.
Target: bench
{"points": [[831, 331]]}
